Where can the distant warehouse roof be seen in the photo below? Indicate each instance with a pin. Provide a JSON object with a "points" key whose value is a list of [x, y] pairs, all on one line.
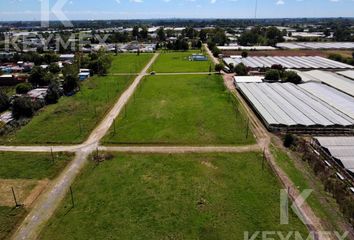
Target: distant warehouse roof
{"points": [[341, 148], [334, 80], [316, 45], [234, 47], [289, 62], [288, 105]]}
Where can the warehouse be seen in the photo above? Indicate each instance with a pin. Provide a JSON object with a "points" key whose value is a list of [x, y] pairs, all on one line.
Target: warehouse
{"points": [[348, 74], [288, 62], [288, 107], [317, 45], [334, 80], [340, 148]]}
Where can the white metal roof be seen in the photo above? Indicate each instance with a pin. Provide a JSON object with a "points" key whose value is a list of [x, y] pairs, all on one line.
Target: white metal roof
{"points": [[341, 148], [248, 79], [348, 74], [334, 80], [289, 62], [285, 104], [338, 100], [316, 45]]}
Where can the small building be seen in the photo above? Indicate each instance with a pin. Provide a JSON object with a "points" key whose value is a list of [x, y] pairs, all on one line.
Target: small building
{"points": [[67, 57], [38, 93], [6, 117], [198, 57]]}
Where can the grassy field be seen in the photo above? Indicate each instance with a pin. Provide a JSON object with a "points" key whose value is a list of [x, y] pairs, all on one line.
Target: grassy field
{"points": [[181, 110], [193, 196], [9, 217], [15, 165], [73, 118], [174, 62], [300, 179], [130, 62]]}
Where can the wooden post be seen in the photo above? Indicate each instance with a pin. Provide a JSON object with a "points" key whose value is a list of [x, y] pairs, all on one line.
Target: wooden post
{"points": [[52, 154], [72, 197], [14, 196]]}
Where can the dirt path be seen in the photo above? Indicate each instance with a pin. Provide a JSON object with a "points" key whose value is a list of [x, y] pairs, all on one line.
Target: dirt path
{"points": [[214, 59], [182, 149]]}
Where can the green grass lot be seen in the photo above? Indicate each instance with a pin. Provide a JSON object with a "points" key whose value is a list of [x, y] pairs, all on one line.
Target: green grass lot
{"points": [[174, 62], [73, 118], [9, 217], [129, 62], [299, 178], [15, 165], [188, 109], [191, 196]]}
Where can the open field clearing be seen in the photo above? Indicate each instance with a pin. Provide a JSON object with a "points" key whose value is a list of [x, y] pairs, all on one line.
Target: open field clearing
{"points": [[27, 174], [188, 196], [73, 118], [181, 110], [15, 165], [9, 217], [174, 62], [129, 62]]}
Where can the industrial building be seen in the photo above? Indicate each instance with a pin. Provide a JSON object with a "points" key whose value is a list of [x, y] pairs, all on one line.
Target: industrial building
{"points": [[290, 107], [341, 149], [308, 63], [316, 45], [334, 80]]}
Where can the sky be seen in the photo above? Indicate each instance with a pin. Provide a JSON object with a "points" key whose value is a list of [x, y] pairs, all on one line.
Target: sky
{"points": [[12, 10]]}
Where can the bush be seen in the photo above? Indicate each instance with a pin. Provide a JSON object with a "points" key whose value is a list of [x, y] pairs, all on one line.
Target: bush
{"points": [[353, 55], [272, 75], [216, 51], [292, 77], [71, 84], [244, 54], [54, 68], [219, 67], [288, 141], [53, 93], [336, 57], [241, 70], [22, 107], [23, 88], [4, 102]]}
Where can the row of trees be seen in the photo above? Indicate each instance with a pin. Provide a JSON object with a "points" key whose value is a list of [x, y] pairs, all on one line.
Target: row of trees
{"points": [[261, 36]]}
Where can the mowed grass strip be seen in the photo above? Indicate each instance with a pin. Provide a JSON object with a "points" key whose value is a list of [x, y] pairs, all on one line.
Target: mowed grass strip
{"points": [[73, 118], [9, 217], [188, 109], [191, 196], [129, 62], [175, 62], [16, 165]]}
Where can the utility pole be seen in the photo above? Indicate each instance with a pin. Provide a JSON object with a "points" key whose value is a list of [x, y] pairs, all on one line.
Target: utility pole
{"points": [[72, 197], [14, 196]]}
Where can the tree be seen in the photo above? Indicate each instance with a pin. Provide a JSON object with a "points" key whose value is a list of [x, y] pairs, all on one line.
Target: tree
{"points": [[54, 68], [4, 101], [244, 54], [53, 93], [241, 70], [36, 77], [216, 51], [274, 36], [161, 34], [71, 84], [23, 88], [293, 77], [144, 33], [352, 56], [272, 75], [203, 35], [135, 32], [219, 67], [22, 107]]}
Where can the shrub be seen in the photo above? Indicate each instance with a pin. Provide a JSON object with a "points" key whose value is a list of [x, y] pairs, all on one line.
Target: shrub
{"points": [[244, 54], [219, 67], [53, 93], [289, 140], [23, 88], [241, 70], [22, 107], [54, 68], [4, 101], [292, 77], [336, 57], [272, 75]]}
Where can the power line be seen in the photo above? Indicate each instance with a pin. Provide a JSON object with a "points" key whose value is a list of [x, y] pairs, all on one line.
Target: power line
{"points": [[255, 10]]}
